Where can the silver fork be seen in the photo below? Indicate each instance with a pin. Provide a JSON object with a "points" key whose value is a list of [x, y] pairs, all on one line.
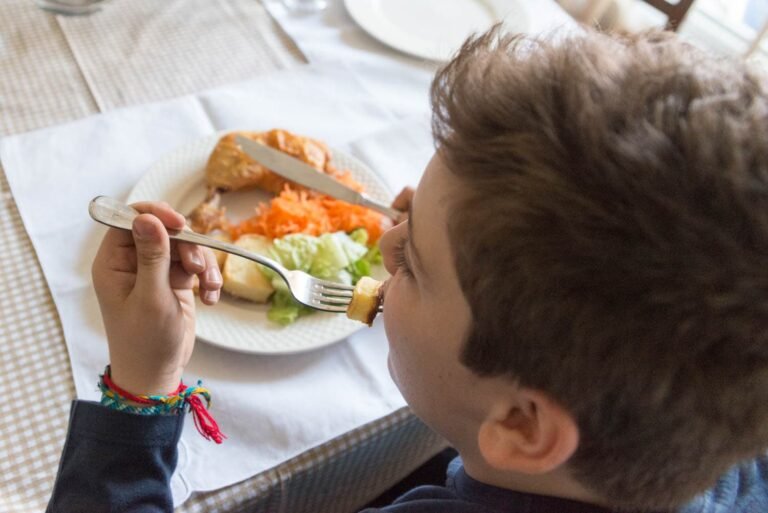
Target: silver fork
{"points": [[319, 294]]}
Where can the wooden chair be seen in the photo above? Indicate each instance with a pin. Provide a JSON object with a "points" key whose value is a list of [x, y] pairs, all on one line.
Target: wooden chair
{"points": [[675, 11], [758, 38]]}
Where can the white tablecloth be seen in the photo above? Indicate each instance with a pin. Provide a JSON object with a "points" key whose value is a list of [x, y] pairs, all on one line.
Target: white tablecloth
{"points": [[333, 37], [61, 68], [271, 408]]}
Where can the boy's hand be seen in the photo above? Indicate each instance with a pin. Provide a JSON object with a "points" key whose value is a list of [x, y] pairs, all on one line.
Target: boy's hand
{"points": [[144, 285], [403, 202]]}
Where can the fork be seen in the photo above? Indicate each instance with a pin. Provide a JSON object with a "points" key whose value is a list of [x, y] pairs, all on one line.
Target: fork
{"points": [[319, 294]]}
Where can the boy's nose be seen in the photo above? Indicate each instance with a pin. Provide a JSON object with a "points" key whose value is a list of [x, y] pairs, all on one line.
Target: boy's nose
{"points": [[387, 243]]}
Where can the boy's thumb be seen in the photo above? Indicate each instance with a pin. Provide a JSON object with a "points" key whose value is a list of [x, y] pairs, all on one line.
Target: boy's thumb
{"points": [[153, 251]]}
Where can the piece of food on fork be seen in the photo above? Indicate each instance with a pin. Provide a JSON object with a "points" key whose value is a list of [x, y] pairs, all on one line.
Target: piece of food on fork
{"points": [[366, 300]]}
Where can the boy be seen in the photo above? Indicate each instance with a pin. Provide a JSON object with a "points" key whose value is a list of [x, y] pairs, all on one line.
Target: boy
{"points": [[582, 277]]}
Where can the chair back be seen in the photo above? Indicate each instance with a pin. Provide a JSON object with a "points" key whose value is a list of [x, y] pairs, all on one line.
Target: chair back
{"points": [[675, 11]]}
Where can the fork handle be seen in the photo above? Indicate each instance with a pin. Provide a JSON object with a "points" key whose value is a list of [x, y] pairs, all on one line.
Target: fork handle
{"points": [[115, 213]]}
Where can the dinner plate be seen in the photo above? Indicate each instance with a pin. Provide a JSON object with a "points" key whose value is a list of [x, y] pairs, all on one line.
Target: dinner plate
{"points": [[433, 29], [239, 325]]}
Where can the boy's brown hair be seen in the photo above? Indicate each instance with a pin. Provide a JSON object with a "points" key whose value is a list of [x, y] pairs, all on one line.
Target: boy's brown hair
{"points": [[612, 241]]}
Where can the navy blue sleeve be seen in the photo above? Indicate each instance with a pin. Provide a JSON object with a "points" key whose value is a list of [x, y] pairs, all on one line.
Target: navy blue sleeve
{"points": [[116, 462]]}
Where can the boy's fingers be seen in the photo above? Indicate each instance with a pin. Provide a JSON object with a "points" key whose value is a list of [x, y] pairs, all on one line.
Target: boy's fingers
{"points": [[121, 259], [113, 267], [116, 238], [403, 200], [112, 271], [153, 252], [181, 279], [191, 257], [113, 244], [210, 297], [163, 211], [210, 280]]}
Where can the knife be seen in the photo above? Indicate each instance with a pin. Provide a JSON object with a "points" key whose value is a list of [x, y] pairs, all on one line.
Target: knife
{"points": [[303, 174]]}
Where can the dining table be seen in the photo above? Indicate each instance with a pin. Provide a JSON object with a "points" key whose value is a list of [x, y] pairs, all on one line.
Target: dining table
{"points": [[131, 74]]}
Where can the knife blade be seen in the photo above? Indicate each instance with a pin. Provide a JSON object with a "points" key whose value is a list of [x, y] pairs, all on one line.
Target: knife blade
{"points": [[301, 173]]}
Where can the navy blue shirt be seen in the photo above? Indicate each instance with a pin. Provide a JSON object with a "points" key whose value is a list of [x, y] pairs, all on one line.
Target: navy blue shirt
{"points": [[121, 462], [462, 494]]}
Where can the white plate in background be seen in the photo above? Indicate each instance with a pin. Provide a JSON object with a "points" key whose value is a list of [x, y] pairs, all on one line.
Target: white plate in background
{"points": [[433, 29], [235, 324]]}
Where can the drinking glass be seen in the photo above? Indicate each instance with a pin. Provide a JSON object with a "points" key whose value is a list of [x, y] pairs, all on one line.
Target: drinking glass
{"points": [[305, 6], [70, 7]]}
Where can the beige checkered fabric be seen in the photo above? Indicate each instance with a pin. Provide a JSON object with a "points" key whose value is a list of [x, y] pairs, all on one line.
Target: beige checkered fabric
{"points": [[40, 82], [40, 85], [198, 44], [37, 381], [57, 69]]}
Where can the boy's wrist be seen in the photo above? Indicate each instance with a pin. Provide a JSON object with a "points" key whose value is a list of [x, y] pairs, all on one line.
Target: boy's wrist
{"points": [[182, 398], [142, 382]]}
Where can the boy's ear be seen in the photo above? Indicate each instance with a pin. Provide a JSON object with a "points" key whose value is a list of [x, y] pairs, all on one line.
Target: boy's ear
{"points": [[531, 434]]}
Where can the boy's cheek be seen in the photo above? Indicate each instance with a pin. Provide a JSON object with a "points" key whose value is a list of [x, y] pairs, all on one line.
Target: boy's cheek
{"points": [[390, 301], [391, 369], [395, 327], [398, 371]]}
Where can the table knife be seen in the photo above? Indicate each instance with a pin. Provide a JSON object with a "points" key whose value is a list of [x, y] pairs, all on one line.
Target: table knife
{"points": [[303, 174]]}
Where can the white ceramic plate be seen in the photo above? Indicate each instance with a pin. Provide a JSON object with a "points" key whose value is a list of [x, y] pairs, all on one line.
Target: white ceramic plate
{"points": [[239, 325], [433, 29]]}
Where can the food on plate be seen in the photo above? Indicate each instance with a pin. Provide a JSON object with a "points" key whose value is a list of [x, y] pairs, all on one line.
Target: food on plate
{"points": [[230, 169], [243, 278], [299, 228], [301, 212], [221, 256], [339, 257], [209, 216], [366, 298]]}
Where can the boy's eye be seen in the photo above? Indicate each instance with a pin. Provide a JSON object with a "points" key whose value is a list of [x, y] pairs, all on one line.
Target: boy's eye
{"points": [[400, 258]]}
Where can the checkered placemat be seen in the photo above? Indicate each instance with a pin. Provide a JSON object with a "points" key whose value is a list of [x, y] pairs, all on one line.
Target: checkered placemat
{"points": [[192, 44], [40, 83], [37, 381], [57, 69]]}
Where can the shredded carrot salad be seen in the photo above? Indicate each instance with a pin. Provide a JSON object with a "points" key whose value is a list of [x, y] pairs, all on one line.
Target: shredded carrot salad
{"points": [[300, 211]]}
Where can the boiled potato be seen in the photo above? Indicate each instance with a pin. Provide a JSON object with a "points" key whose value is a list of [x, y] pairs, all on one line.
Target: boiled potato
{"points": [[221, 257], [243, 278]]}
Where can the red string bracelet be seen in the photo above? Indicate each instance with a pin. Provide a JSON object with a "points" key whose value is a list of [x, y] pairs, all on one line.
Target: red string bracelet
{"points": [[114, 397]]}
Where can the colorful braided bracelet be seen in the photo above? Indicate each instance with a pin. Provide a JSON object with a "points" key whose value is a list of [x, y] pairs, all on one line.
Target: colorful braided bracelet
{"points": [[115, 398]]}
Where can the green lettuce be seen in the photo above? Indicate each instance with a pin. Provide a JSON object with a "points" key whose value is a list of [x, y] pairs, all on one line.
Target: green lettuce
{"points": [[339, 257], [283, 309]]}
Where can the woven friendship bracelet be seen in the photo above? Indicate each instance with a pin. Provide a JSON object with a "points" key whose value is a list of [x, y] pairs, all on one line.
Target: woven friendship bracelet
{"points": [[115, 398]]}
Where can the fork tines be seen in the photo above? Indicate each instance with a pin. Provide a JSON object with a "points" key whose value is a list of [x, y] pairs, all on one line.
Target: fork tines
{"points": [[332, 297]]}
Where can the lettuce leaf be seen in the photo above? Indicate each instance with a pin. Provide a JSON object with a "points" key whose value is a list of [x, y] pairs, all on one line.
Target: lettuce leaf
{"points": [[284, 309], [336, 253], [295, 251], [339, 257], [362, 267]]}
